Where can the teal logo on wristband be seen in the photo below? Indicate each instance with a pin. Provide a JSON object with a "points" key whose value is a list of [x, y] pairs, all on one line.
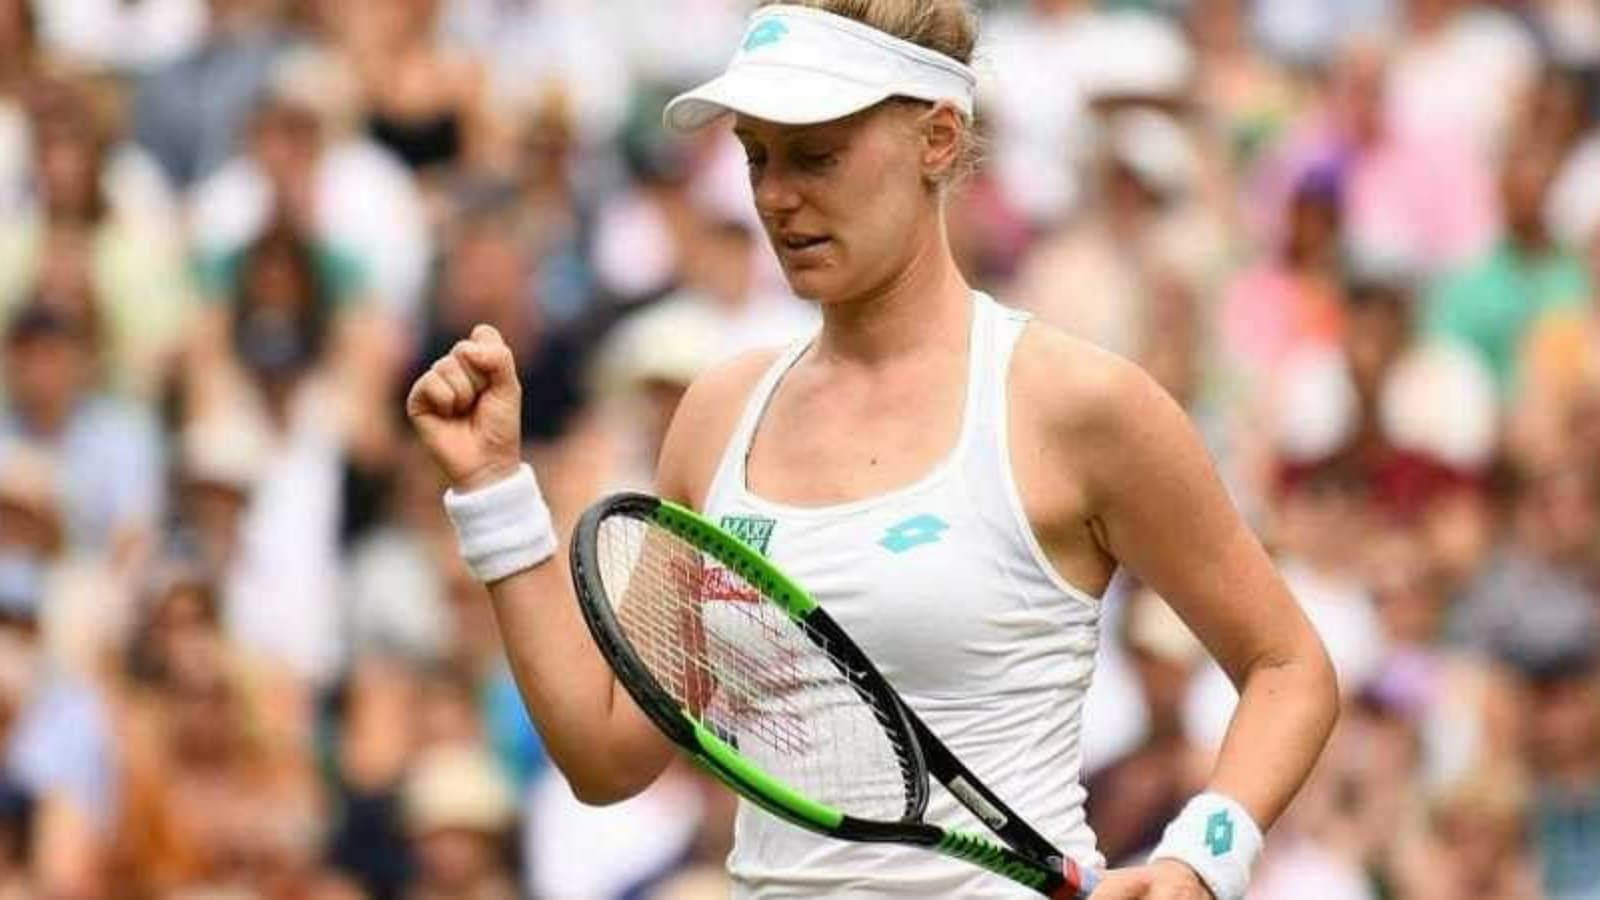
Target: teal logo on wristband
{"points": [[1219, 832]]}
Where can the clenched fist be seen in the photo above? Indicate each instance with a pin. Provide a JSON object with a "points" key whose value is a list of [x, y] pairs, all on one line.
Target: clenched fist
{"points": [[467, 408]]}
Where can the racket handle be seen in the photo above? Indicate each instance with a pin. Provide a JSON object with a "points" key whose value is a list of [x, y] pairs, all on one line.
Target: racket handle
{"points": [[1078, 882]]}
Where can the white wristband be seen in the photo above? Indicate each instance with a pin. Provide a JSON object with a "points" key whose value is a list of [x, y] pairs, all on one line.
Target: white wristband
{"points": [[504, 527], [1216, 837]]}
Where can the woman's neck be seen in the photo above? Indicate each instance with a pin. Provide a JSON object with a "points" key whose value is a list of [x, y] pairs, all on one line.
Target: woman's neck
{"points": [[924, 304]]}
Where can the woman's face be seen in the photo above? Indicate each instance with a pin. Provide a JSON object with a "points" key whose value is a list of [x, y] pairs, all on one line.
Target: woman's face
{"points": [[845, 203]]}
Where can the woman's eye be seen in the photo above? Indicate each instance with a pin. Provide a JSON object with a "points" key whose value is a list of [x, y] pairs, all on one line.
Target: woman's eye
{"points": [[816, 161]]}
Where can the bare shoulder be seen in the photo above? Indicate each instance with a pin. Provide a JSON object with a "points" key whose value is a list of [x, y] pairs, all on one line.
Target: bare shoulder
{"points": [[1102, 418], [703, 423], [1075, 389]]}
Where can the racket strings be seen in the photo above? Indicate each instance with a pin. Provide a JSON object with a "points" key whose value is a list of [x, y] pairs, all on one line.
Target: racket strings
{"points": [[738, 664], [705, 668]]}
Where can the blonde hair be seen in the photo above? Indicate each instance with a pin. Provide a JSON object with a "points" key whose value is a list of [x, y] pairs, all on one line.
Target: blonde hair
{"points": [[944, 26]]}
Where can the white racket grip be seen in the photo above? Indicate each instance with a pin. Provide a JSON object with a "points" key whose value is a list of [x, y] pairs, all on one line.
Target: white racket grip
{"points": [[1216, 838], [503, 528]]}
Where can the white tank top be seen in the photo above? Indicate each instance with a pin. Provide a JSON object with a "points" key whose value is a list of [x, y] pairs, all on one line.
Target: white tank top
{"points": [[945, 587]]}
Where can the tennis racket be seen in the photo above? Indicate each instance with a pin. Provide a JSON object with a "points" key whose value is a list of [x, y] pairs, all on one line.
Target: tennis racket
{"points": [[742, 669]]}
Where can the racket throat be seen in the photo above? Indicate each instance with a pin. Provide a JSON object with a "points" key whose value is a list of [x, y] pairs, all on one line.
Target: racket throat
{"points": [[1042, 876]]}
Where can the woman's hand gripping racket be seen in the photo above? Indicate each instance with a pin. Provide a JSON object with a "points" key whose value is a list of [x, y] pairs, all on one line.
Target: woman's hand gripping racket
{"points": [[741, 668]]}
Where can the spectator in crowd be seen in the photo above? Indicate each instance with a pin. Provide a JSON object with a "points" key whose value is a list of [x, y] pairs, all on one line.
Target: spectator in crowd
{"points": [[641, 230], [1560, 365], [221, 792], [554, 218], [57, 768], [1248, 98], [1292, 301], [1464, 714], [1546, 545], [1424, 460], [1474, 842], [219, 461], [1553, 645], [1413, 203], [1144, 191], [424, 102], [458, 811], [109, 451], [83, 249], [1492, 302], [286, 361], [191, 112], [379, 761], [304, 162]]}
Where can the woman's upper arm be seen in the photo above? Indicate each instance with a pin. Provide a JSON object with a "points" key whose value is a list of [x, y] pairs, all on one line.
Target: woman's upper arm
{"points": [[1161, 510]]}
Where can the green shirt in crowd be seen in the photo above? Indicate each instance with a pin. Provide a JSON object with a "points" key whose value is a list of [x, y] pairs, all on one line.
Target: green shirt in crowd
{"points": [[1492, 303]]}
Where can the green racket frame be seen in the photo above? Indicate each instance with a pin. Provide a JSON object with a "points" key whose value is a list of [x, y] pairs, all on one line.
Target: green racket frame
{"points": [[1030, 860]]}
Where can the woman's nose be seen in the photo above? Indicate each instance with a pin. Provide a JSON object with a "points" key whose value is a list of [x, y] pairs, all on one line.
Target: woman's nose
{"points": [[774, 194]]}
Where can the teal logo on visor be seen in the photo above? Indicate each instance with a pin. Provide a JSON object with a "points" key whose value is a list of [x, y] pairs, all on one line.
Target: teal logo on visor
{"points": [[766, 33]]}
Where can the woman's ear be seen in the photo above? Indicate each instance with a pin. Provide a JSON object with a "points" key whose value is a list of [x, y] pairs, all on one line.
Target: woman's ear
{"points": [[942, 129]]}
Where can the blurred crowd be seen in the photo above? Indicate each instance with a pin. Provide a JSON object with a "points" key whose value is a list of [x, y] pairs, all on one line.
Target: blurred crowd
{"points": [[1359, 240]]}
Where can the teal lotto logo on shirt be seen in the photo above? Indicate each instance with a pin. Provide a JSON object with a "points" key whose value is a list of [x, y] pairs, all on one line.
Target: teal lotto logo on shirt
{"points": [[765, 33], [912, 533]]}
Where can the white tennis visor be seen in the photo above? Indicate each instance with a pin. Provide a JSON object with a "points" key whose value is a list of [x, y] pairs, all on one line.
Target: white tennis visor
{"points": [[802, 66]]}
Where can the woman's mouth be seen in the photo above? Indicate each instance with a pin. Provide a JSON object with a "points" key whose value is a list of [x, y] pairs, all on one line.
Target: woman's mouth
{"points": [[802, 247]]}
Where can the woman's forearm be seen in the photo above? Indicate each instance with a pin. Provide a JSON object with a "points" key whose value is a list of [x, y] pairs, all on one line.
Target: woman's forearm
{"points": [[1287, 708]]}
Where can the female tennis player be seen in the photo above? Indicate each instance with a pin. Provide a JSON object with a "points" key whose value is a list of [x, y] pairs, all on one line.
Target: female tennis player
{"points": [[954, 483]]}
